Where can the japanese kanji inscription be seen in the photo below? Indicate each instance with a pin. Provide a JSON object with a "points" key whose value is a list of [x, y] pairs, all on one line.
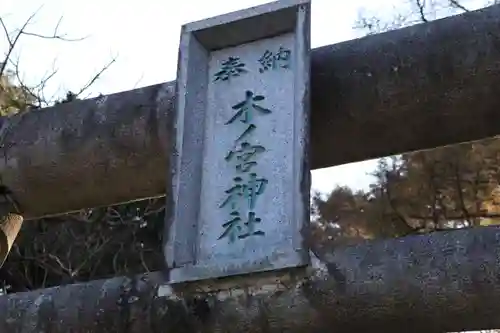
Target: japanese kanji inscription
{"points": [[240, 175]]}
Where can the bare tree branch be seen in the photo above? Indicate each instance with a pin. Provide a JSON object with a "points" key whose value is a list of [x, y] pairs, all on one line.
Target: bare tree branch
{"points": [[96, 77], [38, 91], [421, 10], [457, 5], [13, 42], [55, 34]]}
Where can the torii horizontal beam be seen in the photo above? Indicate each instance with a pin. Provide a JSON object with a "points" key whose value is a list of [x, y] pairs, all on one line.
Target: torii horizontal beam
{"points": [[442, 282], [420, 87]]}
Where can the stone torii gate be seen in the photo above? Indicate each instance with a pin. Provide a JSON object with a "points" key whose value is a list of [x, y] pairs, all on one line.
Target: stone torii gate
{"points": [[414, 88]]}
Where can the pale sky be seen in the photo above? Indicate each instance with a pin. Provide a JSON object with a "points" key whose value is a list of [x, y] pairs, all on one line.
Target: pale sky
{"points": [[144, 36]]}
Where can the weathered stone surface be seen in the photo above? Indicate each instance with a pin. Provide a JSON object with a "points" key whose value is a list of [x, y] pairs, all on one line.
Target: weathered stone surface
{"points": [[241, 142], [443, 282], [409, 89], [88, 153]]}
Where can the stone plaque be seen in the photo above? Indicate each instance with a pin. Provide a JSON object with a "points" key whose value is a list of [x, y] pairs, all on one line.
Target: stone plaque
{"points": [[240, 175]]}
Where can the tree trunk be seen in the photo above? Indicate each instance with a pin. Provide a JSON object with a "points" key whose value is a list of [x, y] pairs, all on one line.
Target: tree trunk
{"points": [[409, 89], [429, 283]]}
